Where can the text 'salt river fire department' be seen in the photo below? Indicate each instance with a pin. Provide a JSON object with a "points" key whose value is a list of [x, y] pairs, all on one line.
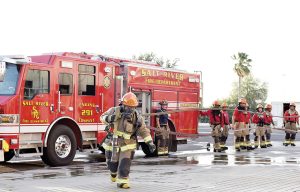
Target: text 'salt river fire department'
{"points": [[50, 104]]}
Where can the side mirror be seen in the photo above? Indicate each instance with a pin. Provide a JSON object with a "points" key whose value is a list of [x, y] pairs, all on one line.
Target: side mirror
{"points": [[2, 70]]}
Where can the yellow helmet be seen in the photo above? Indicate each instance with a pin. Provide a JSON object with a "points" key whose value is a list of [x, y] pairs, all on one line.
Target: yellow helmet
{"points": [[130, 99]]}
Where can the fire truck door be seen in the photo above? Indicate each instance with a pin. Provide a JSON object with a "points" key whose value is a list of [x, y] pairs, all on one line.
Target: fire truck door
{"points": [[37, 102], [87, 101], [65, 93]]}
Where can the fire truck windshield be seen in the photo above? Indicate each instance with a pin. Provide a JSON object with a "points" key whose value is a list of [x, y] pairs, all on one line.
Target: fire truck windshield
{"points": [[9, 83]]}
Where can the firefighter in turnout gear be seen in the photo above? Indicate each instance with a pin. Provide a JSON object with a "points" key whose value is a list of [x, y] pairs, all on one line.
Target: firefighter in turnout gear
{"points": [[245, 143], [216, 123], [126, 124], [291, 120], [226, 126], [239, 123], [259, 120], [162, 136], [268, 122]]}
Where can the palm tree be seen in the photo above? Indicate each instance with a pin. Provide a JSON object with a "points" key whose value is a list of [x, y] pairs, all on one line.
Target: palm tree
{"points": [[241, 67]]}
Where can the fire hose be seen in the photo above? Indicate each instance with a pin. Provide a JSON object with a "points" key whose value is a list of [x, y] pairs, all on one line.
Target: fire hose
{"points": [[206, 135]]}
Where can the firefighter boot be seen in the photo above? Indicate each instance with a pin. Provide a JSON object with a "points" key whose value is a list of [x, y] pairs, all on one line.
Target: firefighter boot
{"points": [[293, 143], [256, 143], [242, 143], [293, 137], [237, 144], [287, 140], [113, 177], [223, 141], [248, 144], [268, 143], [123, 185], [263, 142], [217, 148]]}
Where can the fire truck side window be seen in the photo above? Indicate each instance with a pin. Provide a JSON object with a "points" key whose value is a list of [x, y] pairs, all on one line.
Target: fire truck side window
{"points": [[37, 82], [86, 80], [65, 82]]}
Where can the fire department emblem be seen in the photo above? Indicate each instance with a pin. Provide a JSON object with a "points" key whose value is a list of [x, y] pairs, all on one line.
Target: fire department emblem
{"points": [[106, 82], [35, 113]]}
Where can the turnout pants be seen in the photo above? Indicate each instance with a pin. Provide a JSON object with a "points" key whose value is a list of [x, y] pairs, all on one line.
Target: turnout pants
{"points": [[290, 136], [216, 134], [259, 136], [162, 138], [121, 168], [224, 135], [239, 132], [268, 134], [245, 139]]}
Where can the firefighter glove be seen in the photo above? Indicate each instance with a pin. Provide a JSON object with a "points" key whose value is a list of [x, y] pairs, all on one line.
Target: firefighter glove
{"points": [[151, 146], [110, 118]]}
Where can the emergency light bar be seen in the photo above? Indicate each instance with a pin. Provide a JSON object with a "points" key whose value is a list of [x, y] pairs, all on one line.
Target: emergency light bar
{"points": [[15, 59]]}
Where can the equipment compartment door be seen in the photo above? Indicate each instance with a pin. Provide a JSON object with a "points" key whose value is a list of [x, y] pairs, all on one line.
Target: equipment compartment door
{"points": [[144, 106]]}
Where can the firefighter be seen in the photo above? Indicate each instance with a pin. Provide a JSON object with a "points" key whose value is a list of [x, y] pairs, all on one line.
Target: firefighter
{"points": [[162, 135], [238, 121], [226, 126], [215, 120], [258, 119], [268, 122], [126, 123], [290, 120], [246, 144]]}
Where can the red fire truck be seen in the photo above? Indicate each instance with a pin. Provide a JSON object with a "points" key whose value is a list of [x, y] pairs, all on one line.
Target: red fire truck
{"points": [[50, 104]]}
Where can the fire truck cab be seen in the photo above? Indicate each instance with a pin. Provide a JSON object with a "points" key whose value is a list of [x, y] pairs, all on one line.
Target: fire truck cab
{"points": [[50, 104]]}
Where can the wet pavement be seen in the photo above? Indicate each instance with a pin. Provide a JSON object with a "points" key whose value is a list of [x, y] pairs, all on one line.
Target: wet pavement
{"points": [[192, 168]]}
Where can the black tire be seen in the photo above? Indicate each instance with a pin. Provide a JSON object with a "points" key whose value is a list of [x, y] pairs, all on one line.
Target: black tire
{"points": [[101, 149], [56, 156], [9, 155]]}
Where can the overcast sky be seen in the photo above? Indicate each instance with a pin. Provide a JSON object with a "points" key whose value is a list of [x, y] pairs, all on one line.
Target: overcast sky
{"points": [[203, 34]]}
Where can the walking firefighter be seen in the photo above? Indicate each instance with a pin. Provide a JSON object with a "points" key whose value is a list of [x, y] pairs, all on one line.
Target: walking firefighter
{"points": [[127, 124]]}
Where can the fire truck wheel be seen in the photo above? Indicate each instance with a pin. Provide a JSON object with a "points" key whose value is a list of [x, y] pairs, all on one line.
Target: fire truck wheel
{"points": [[61, 146], [101, 149], [9, 155]]}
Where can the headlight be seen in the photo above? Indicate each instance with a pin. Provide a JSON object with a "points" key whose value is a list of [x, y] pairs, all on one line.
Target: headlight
{"points": [[9, 119]]}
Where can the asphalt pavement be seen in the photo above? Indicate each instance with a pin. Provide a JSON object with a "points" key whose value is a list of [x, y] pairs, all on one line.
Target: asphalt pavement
{"points": [[191, 168]]}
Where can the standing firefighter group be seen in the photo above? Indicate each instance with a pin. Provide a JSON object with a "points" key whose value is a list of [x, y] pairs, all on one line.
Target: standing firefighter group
{"points": [[242, 119]]}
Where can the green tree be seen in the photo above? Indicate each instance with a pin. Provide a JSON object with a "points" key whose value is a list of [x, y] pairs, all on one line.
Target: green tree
{"points": [[241, 67], [252, 89], [152, 57]]}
